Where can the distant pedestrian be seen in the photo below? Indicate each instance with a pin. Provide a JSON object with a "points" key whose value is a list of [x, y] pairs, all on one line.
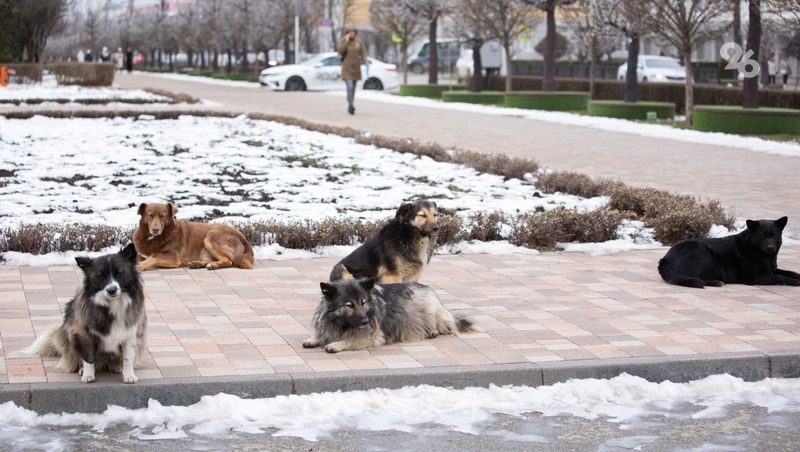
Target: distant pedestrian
{"points": [[105, 55], [785, 70], [772, 70], [129, 60], [88, 56], [119, 58], [80, 56], [353, 53]]}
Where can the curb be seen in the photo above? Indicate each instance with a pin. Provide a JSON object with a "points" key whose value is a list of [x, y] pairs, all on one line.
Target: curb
{"points": [[96, 397]]}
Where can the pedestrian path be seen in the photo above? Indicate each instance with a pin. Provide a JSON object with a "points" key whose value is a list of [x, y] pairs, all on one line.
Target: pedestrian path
{"points": [[543, 318]]}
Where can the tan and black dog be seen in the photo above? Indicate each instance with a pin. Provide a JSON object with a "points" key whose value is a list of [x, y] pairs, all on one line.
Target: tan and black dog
{"points": [[166, 242], [400, 250]]}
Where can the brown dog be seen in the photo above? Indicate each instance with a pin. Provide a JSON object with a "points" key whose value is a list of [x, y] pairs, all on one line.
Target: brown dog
{"points": [[166, 242]]}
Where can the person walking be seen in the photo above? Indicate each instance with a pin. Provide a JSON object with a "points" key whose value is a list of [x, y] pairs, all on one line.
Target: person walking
{"points": [[772, 70], [129, 60], [353, 53], [785, 70]]}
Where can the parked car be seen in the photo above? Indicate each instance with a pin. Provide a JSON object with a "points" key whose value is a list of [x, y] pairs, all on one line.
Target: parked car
{"points": [[323, 71], [449, 50], [654, 68]]}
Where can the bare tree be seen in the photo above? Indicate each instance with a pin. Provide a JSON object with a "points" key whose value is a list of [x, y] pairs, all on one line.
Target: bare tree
{"points": [[595, 37], [396, 19], [685, 24], [750, 86], [25, 26], [629, 18], [549, 54], [469, 17], [273, 22], [501, 20], [430, 11]]}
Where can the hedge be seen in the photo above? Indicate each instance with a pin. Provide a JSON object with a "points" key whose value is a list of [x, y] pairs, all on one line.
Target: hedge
{"points": [[738, 120], [631, 110], [67, 73], [543, 100], [429, 91], [657, 92], [483, 97]]}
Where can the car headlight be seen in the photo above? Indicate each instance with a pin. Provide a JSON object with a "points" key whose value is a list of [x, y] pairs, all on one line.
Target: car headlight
{"points": [[660, 77]]}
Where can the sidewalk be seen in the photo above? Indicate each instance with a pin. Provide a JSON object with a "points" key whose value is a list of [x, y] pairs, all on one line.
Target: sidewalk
{"points": [[544, 318]]}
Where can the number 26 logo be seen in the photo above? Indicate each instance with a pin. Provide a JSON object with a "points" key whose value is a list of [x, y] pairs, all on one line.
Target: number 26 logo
{"points": [[739, 60]]}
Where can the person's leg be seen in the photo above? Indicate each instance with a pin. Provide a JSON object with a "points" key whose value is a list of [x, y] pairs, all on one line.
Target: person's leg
{"points": [[351, 94]]}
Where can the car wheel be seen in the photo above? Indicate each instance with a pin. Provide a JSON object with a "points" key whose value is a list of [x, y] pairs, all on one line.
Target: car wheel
{"points": [[417, 68], [295, 84], [373, 83]]}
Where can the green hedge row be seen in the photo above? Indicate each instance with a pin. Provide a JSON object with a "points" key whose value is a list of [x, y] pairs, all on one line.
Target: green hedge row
{"points": [[429, 91], [738, 120], [627, 110]]}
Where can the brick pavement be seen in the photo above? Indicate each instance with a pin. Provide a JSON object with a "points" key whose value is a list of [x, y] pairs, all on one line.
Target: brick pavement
{"points": [[534, 309], [551, 307]]}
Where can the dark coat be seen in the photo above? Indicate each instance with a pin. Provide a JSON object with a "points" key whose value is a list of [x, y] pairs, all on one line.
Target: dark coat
{"points": [[355, 54]]}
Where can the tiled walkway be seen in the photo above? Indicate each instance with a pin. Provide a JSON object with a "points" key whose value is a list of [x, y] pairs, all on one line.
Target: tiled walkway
{"points": [[541, 308]]}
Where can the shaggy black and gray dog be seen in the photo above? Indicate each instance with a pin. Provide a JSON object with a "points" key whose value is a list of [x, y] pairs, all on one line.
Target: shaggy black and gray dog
{"points": [[358, 314], [104, 325]]}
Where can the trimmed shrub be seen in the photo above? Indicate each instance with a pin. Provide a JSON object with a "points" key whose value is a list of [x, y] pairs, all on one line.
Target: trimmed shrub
{"points": [[84, 74], [429, 91], [546, 100], [571, 183], [24, 72], [746, 121], [544, 230], [631, 110], [482, 98]]}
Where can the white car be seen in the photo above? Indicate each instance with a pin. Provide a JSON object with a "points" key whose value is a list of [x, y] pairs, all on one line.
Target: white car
{"points": [[654, 68], [323, 71]]}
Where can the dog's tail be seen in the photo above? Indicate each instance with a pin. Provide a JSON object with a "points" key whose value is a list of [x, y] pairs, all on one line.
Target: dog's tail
{"points": [[246, 260], [44, 345], [671, 276], [464, 324]]}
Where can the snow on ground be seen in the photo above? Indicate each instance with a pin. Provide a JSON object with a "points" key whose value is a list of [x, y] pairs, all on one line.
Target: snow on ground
{"points": [[22, 92], [625, 399], [97, 171]]}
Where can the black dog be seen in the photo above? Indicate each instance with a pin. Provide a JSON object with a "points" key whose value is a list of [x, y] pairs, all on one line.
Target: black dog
{"points": [[399, 251], [749, 257]]}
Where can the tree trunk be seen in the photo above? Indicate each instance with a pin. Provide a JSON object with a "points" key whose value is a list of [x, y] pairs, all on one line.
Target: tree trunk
{"points": [[509, 85], [476, 82], [404, 59], [433, 53], [215, 61], [689, 87], [202, 59], [750, 88], [631, 76], [549, 80]]}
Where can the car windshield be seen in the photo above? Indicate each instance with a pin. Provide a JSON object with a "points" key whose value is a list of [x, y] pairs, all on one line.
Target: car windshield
{"points": [[663, 64], [314, 59]]}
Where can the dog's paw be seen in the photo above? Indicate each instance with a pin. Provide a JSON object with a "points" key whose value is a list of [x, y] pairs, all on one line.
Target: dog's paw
{"points": [[714, 283], [87, 378], [310, 343], [792, 282], [195, 265], [130, 379], [334, 348]]}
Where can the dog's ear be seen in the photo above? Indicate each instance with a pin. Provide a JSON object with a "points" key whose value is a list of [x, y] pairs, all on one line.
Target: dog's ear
{"points": [[403, 211], [129, 253], [83, 262], [171, 209], [142, 208], [367, 284], [328, 289], [752, 225], [781, 222]]}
